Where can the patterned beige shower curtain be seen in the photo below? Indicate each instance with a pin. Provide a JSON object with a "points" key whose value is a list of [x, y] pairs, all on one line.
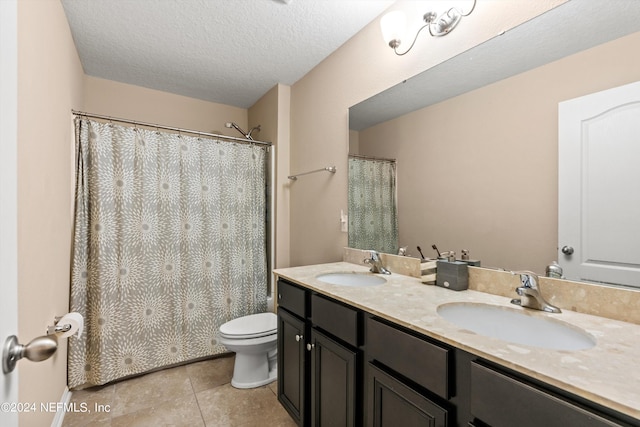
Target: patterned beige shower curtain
{"points": [[373, 216], [170, 242]]}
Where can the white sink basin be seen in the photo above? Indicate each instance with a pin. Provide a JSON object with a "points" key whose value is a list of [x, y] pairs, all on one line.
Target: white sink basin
{"points": [[352, 279], [516, 326]]}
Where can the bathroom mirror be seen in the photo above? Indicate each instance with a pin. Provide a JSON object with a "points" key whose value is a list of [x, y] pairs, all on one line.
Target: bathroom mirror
{"points": [[477, 151]]}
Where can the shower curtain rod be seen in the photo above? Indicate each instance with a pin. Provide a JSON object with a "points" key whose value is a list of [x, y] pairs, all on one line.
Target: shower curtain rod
{"points": [[179, 130], [361, 156]]}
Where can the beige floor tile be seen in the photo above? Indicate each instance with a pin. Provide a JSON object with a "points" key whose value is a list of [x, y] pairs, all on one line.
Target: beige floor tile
{"points": [[228, 406], [80, 421], [179, 412], [211, 373], [273, 387], [193, 395], [97, 400], [283, 420], [143, 392]]}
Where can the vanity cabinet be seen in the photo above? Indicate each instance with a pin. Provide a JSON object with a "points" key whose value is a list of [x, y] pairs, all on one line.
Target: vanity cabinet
{"points": [[341, 366], [319, 359], [409, 379]]}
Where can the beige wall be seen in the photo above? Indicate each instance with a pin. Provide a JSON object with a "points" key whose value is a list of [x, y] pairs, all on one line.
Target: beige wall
{"points": [[354, 141], [272, 113], [110, 98], [479, 171], [49, 86], [320, 101], [283, 201]]}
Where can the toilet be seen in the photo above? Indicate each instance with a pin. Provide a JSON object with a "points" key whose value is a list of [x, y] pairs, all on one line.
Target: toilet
{"points": [[254, 340]]}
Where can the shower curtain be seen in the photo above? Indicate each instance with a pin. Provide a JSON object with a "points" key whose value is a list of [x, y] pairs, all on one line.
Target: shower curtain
{"points": [[170, 242], [373, 222]]}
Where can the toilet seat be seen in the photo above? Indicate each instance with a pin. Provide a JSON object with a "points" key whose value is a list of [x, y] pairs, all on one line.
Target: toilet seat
{"points": [[252, 326]]}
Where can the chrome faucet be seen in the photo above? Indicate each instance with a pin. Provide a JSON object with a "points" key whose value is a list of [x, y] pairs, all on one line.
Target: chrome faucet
{"points": [[376, 263], [530, 293]]}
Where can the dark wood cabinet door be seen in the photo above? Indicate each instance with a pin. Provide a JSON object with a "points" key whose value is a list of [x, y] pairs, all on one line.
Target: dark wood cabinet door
{"points": [[391, 403], [334, 397], [291, 365]]}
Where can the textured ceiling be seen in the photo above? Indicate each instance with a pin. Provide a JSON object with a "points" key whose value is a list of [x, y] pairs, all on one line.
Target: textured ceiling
{"points": [[226, 51], [569, 28]]}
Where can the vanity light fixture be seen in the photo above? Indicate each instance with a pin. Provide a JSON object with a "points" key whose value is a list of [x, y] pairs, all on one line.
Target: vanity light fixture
{"points": [[393, 25]]}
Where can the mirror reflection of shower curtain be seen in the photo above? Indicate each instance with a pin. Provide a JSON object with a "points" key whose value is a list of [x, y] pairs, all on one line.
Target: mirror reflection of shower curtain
{"points": [[170, 243], [373, 221]]}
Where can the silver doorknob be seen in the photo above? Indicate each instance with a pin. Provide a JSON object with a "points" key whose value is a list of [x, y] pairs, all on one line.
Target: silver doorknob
{"points": [[567, 250], [310, 346], [299, 337], [38, 349]]}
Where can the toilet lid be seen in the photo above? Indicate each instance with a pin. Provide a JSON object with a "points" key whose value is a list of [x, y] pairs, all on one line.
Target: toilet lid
{"points": [[252, 326]]}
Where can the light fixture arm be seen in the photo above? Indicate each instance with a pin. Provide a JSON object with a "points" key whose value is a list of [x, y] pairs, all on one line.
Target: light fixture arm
{"points": [[438, 26], [395, 43]]}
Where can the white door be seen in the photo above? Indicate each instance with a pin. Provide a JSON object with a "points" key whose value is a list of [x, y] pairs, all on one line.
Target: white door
{"points": [[8, 202], [599, 186]]}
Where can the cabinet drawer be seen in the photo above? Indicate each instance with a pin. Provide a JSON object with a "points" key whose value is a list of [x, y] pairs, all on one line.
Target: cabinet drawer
{"points": [[500, 400], [292, 298], [335, 318], [425, 363]]}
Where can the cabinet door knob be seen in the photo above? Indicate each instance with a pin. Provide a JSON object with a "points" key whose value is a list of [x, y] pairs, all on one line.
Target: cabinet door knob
{"points": [[311, 346], [299, 337]]}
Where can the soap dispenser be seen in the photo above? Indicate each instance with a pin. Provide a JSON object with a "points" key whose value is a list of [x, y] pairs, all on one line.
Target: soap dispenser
{"points": [[452, 274]]}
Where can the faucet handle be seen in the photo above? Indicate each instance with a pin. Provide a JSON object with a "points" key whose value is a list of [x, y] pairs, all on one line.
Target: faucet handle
{"points": [[373, 257], [376, 263], [529, 279]]}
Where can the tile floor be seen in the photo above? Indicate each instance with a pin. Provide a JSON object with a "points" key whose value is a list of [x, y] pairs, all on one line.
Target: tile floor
{"points": [[199, 394]]}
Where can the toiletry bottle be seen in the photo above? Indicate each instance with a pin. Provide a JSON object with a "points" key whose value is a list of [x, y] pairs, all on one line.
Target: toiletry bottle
{"points": [[554, 270]]}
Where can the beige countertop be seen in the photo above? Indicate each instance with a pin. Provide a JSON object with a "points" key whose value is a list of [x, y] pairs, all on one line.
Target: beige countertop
{"points": [[607, 374]]}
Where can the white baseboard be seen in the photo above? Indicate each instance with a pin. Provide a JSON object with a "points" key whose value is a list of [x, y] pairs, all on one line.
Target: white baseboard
{"points": [[64, 400]]}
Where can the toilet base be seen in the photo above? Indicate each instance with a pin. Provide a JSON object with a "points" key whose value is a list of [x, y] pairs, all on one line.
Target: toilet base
{"points": [[254, 370]]}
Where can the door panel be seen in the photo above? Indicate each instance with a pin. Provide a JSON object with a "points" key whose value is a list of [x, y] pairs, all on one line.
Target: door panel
{"points": [[8, 196], [599, 186]]}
